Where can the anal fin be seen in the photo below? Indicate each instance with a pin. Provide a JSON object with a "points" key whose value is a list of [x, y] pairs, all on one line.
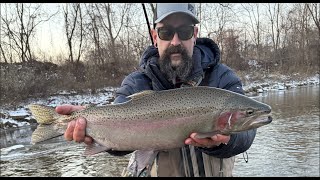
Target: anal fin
{"points": [[95, 148]]}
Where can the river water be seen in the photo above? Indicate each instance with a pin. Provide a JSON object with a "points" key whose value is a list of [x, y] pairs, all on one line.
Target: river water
{"points": [[289, 146]]}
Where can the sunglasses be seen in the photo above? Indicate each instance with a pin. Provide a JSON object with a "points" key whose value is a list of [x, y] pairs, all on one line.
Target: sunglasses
{"points": [[166, 33]]}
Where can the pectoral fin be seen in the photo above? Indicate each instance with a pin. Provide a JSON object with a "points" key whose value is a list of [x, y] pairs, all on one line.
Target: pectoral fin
{"points": [[206, 135], [141, 162]]}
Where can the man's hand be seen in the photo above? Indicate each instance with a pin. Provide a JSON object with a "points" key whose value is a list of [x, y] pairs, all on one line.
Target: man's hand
{"points": [[213, 141], [77, 128]]}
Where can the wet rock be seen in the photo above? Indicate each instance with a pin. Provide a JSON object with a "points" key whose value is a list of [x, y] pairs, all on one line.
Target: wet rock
{"points": [[9, 125], [32, 121], [18, 117], [3, 115]]}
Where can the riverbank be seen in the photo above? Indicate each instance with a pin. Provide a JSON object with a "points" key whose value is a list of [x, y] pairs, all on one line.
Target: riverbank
{"points": [[18, 116]]}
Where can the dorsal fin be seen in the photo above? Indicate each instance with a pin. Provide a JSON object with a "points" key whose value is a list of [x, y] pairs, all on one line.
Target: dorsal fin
{"points": [[141, 94]]}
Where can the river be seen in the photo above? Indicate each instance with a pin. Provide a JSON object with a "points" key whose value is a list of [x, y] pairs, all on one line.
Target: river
{"points": [[289, 146]]}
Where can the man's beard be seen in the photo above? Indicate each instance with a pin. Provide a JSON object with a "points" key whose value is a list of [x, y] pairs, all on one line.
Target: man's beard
{"points": [[180, 71]]}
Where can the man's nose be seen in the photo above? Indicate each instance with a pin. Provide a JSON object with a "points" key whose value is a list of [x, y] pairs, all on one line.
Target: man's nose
{"points": [[175, 40]]}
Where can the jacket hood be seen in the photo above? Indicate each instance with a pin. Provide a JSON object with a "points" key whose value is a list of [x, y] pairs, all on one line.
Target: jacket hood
{"points": [[205, 49], [205, 54]]}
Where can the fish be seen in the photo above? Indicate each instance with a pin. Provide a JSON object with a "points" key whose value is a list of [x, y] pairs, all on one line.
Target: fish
{"points": [[157, 120]]}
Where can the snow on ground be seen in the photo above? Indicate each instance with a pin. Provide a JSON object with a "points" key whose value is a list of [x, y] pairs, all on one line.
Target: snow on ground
{"points": [[64, 97], [14, 122], [18, 112], [282, 79], [103, 97], [98, 99]]}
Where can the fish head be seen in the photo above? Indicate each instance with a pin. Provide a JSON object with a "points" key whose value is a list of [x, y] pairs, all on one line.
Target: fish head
{"points": [[243, 113]]}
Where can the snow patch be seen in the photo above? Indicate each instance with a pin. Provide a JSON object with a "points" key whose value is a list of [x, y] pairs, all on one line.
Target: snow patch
{"points": [[7, 150]]}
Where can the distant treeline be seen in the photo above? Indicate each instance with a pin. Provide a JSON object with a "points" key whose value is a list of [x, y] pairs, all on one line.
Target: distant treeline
{"points": [[104, 41]]}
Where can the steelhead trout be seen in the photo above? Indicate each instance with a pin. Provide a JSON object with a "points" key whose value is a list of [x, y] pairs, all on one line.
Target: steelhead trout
{"points": [[157, 120]]}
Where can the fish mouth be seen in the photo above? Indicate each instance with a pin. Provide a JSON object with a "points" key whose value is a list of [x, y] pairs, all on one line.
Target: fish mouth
{"points": [[261, 121]]}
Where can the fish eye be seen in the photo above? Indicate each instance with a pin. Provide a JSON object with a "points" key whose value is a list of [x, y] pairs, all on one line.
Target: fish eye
{"points": [[249, 111]]}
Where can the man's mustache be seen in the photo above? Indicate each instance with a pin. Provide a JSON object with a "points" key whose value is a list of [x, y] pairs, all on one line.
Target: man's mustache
{"points": [[175, 49]]}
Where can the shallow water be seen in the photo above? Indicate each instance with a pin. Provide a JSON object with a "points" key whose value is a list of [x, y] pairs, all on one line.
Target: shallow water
{"points": [[60, 159], [289, 146]]}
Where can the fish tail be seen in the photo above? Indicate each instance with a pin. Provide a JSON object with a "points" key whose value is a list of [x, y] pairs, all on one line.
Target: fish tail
{"points": [[45, 116]]}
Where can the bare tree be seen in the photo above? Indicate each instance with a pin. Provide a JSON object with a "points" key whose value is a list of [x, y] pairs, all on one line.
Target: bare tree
{"points": [[302, 30], [20, 26], [4, 33], [95, 35], [112, 18], [138, 30], [274, 13], [314, 9], [110, 23], [74, 24], [276, 27], [254, 16], [214, 19], [131, 35], [3, 54]]}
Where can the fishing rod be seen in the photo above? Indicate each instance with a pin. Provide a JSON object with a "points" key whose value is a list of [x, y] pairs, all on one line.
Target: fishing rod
{"points": [[146, 16]]}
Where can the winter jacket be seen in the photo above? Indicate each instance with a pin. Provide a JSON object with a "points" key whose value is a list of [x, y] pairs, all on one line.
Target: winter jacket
{"points": [[207, 71]]}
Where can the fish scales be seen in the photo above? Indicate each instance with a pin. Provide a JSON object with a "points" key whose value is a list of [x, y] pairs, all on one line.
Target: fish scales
{"points": [[164, 119]]}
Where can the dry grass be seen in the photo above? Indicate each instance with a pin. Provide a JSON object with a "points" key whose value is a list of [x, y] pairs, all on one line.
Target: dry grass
{"points": [[22, 81]]}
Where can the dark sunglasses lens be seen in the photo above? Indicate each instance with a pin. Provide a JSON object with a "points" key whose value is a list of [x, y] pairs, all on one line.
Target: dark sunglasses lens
{"points": [[165, 33], [185, 33]]}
